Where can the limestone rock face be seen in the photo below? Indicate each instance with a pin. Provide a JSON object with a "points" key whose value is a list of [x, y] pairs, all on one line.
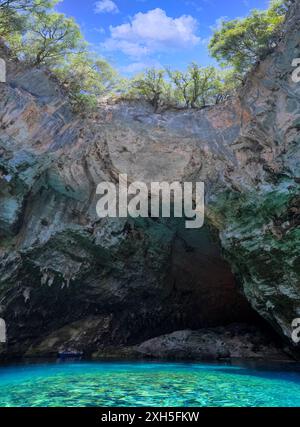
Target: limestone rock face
{"points": [[231, 342], [123, 281], [71, 279]]}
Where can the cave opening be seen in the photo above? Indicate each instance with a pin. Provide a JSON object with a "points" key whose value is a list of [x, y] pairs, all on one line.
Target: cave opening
{"points": [[203, 285]]}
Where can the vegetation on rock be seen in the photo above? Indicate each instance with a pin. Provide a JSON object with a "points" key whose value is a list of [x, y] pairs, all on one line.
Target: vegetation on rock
{"points": [[240, 43], [40, 36]]}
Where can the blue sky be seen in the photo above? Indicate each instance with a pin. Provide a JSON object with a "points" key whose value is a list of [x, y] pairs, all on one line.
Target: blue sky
{"points": [[134, 34]]}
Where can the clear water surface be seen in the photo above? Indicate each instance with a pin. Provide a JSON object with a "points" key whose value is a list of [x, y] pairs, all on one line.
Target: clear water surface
{"points": [[148, 384]]}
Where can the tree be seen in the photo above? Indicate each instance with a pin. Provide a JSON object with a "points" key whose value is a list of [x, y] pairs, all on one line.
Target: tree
{"points": [[27, 5], [182, 83], [242, 42], [152, 86], [14, 13], [42, 37], [52, 40], [86, 78], [50, 37], [227, 84], [197, 87], [10, 22], [203, 84]]}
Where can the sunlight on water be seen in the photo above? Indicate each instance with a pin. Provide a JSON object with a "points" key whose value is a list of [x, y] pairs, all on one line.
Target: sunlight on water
{"points": [[146, 384]]}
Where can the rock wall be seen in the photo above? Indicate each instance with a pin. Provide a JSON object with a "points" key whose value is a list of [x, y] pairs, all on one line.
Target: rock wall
{"points": [[68, 279]]}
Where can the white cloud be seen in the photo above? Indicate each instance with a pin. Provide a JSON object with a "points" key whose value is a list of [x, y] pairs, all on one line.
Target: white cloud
{"points": [[218, 23], [194, 5], [136, 67], [100, 30], [134, 49], [153, 32], [104, 6]]}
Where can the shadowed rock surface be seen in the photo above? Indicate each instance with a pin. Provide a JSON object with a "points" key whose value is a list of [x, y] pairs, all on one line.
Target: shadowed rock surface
{"points": [[231, 342], [118, 282]]}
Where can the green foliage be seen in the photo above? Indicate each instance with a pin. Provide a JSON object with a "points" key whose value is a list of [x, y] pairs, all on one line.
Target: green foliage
{"points": [[204, 83], [238, 44], [29, 5], [241, 42], [197, 87], [86, 78], [41, 37], [10, 22], [14, 14], [181, 81], [228, 83], [152, 86], [49, 38]]}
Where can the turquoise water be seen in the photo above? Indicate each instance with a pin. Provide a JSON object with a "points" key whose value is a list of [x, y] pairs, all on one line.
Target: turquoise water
{"points": [[147, 384]]}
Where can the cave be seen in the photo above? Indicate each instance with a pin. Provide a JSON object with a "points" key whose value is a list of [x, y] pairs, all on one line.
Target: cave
{"points": [[203, 282], [71, 280]]}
